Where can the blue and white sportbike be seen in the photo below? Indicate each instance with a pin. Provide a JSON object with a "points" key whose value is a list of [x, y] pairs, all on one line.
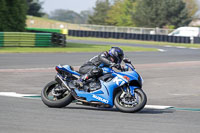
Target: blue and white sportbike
{"points": [[120, 89]]}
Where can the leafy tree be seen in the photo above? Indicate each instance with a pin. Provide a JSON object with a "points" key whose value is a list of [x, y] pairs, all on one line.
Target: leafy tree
{"points": [[158, 13], [67, 16], [34, 8], [3, 15], [121, 13], [100, 12], [85, 16], [115, 14], [192, 7], [16, 15]]}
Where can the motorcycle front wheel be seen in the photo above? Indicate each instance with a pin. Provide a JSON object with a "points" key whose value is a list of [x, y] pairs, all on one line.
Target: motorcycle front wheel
{"points": [[130, 104], [51, 96]]}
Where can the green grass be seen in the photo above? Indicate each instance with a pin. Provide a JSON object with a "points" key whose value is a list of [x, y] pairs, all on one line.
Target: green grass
{"points": [[71, 48], [40, 22], [188, 45]]}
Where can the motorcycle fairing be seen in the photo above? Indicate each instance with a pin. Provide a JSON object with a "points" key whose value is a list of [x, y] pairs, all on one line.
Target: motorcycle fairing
{"points": [[68, 69], [131, 74], [107, 70], [105, 93], [101, 95]]}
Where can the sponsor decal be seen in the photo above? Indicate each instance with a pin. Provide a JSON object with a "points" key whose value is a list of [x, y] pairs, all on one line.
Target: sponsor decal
{"points": [[99, 98], [118, 81]]}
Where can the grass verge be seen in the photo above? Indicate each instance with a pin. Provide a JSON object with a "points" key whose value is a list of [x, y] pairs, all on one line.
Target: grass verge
{"points": [[71, 48], [187, 45]]}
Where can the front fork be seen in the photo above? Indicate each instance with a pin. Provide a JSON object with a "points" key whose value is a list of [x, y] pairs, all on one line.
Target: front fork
{"points": [[129, 96], [129, 91]]}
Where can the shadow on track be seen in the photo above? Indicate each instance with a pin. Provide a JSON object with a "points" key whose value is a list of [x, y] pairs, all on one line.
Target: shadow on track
{"points": [[144, 111], [156, 111]]}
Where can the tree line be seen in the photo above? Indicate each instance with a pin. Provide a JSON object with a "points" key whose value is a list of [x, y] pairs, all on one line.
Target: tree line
{"points": [[144, 13], [137, 13], [13, 13], [70, 16]]}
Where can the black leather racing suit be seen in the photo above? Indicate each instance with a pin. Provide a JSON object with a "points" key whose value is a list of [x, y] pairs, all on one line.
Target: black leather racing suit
{"points": [[91, 68]]}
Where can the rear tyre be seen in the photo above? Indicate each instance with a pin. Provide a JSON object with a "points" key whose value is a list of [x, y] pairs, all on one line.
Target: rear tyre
{"points": [[53, 99], [130, 105]]}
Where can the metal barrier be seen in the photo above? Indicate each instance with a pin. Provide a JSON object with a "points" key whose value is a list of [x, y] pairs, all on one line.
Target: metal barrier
{"points": [[132, 36], [45, 30], [19, 39], [36, 22], [135, 30]]}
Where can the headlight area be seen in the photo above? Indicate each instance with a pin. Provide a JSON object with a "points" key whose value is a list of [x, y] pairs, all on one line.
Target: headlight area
{"points": [[136, 83]]}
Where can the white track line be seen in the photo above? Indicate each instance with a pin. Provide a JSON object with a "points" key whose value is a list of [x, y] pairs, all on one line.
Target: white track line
{"points": [[180, 47], [157, 107], [168, 46], [14, 94], [162, 50], [193, 48]]}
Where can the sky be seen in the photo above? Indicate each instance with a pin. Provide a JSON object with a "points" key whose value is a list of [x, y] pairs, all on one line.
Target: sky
{"points": [[75, 5], [198, 2]]}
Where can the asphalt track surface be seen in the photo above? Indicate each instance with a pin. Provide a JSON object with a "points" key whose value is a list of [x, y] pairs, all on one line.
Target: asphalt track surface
{"points": [[171, 78]]}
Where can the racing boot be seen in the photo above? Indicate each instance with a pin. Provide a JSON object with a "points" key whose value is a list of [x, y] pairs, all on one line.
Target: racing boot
{"points": [[80, 82]]}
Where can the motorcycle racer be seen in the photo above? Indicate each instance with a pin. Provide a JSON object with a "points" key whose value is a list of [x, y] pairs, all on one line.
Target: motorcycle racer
{"points": [[92, 68], [120, 89]]}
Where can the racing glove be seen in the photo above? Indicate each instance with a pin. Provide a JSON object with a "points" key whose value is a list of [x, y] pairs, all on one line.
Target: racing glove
{"points": [[118, 66], [127, 60]]}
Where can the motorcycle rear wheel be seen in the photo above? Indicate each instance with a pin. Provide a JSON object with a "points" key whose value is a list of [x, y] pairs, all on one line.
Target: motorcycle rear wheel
{"points": [[53, 101], [141, 98]]}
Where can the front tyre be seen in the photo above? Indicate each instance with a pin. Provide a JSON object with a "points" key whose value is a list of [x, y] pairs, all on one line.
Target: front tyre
{"points": [[52, 97], [130, 104]]}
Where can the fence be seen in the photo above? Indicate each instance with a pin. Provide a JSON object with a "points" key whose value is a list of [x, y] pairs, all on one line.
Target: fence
{"points": [[135, 30], [20, 39], [35, 22], [132, 36]]}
